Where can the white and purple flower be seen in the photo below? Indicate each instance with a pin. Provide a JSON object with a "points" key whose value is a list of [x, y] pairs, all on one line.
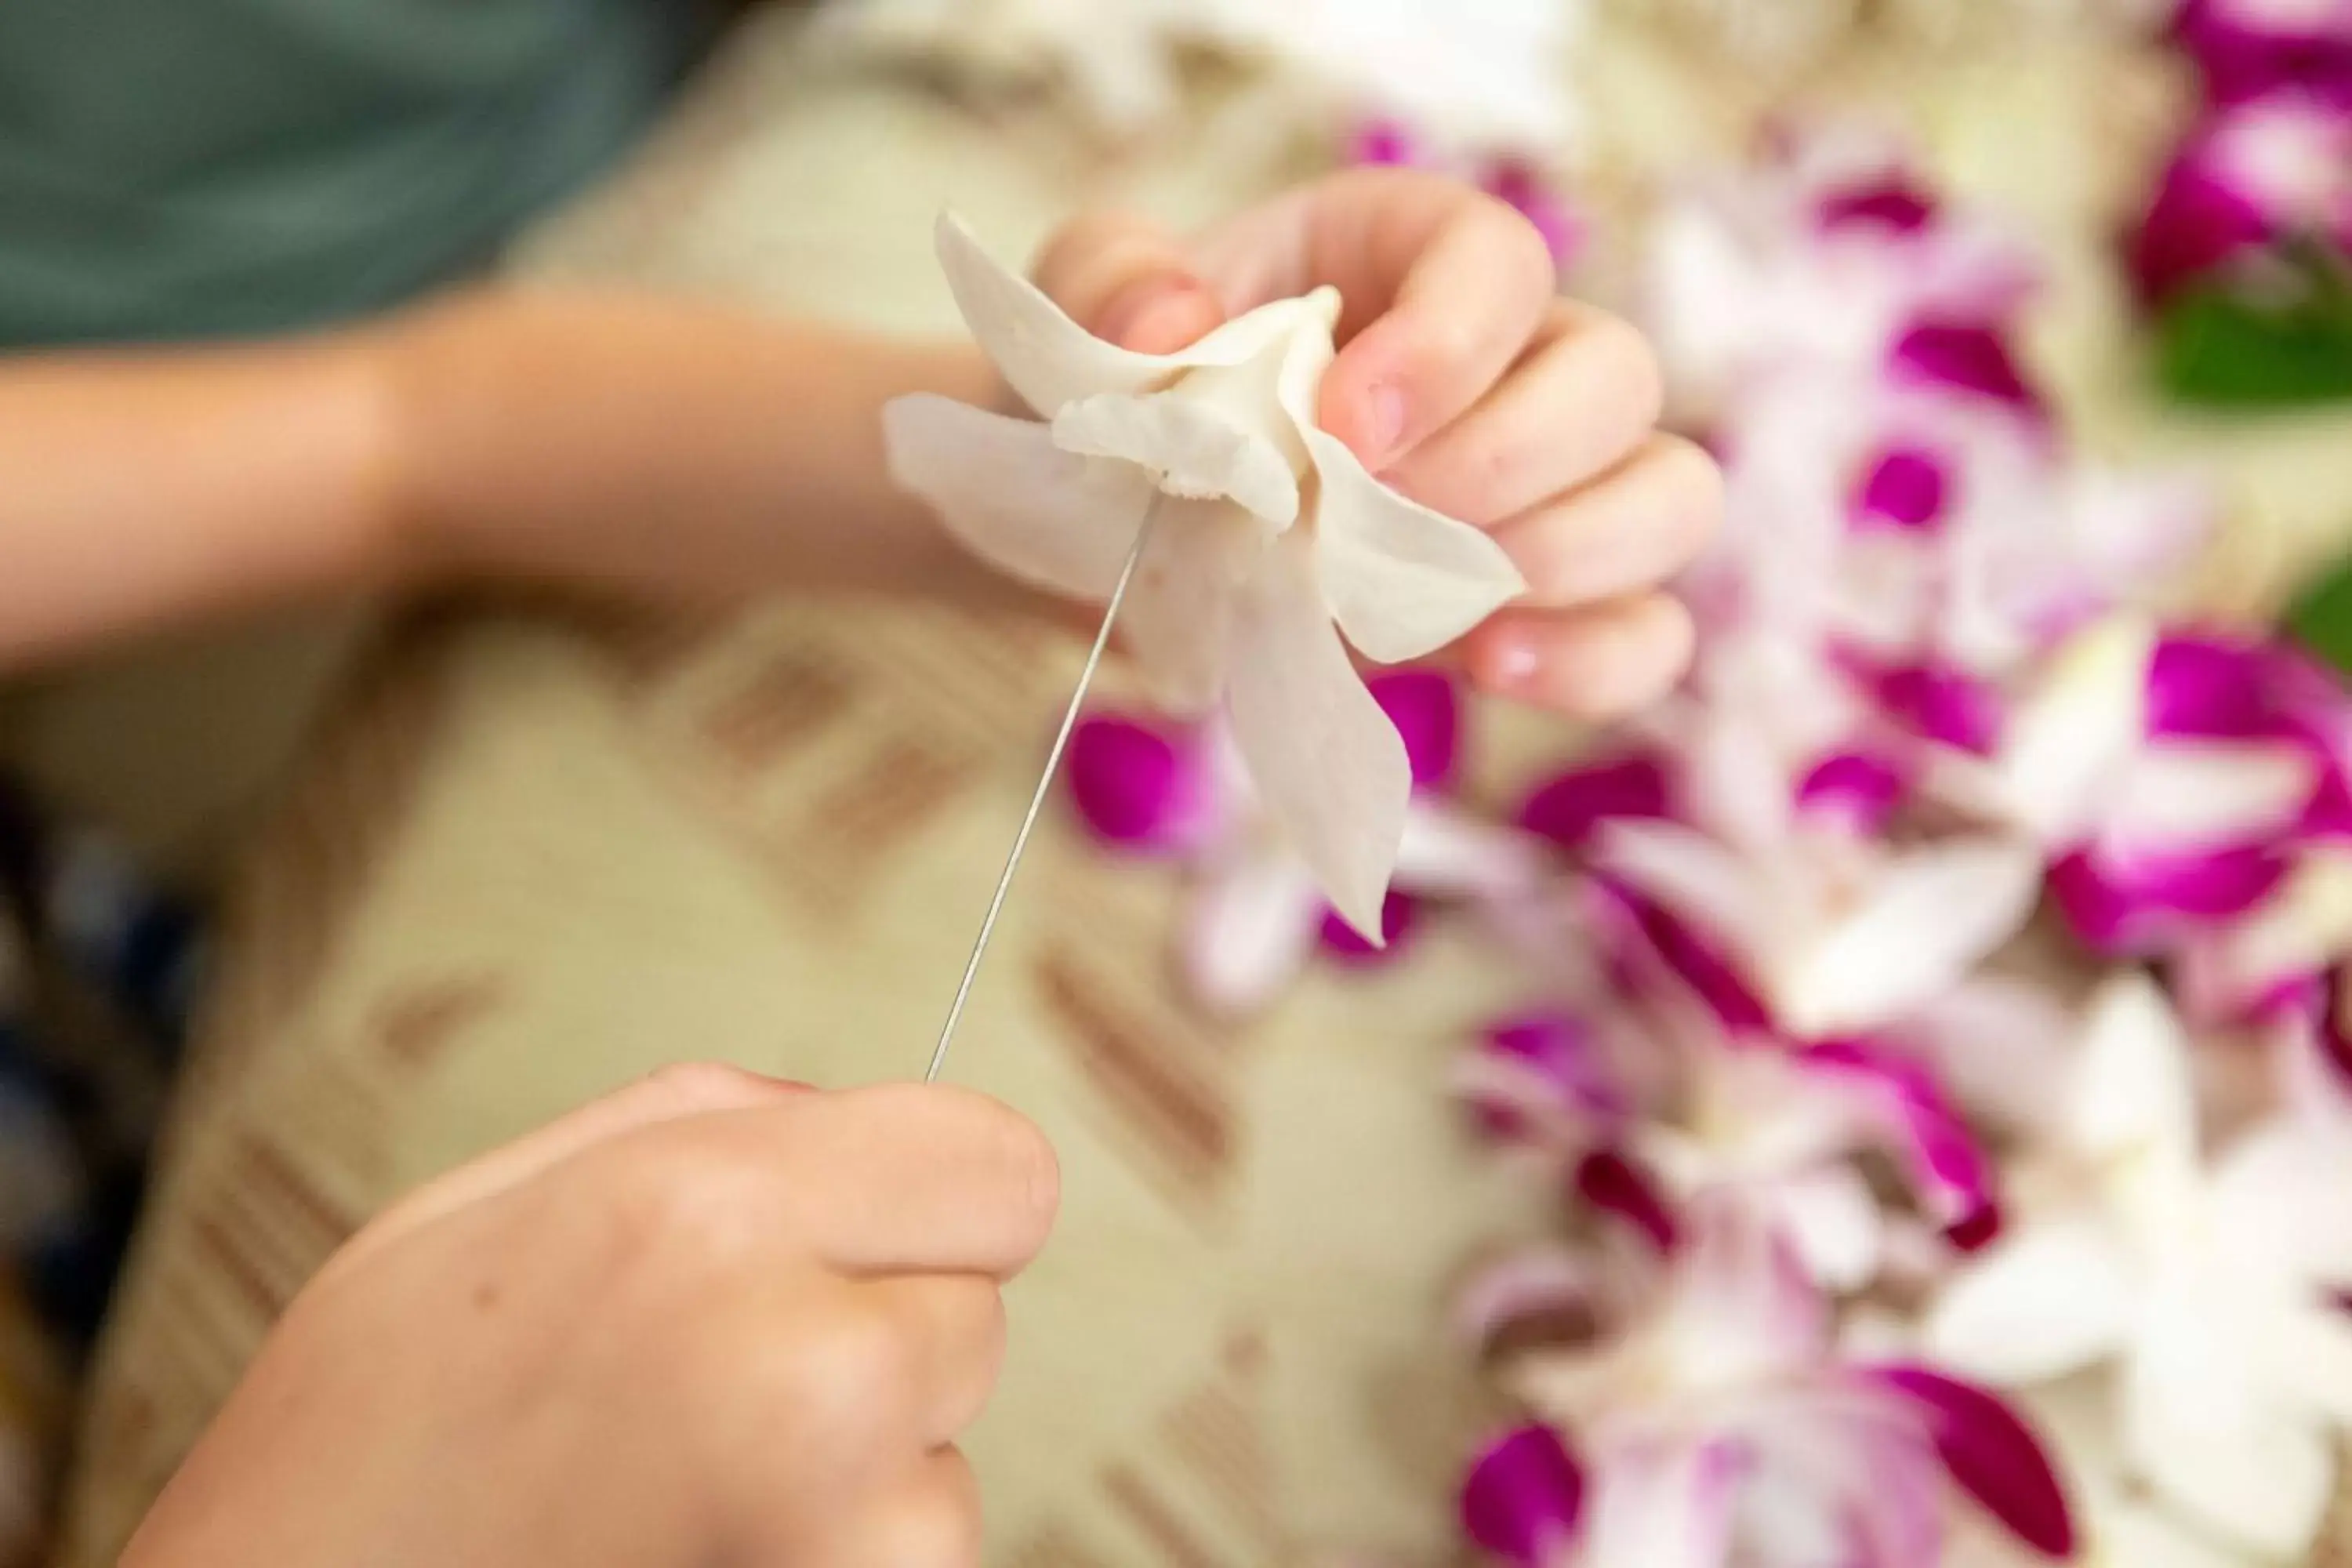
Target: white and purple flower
{"points": [[1723, 1428], [1255, 915]]}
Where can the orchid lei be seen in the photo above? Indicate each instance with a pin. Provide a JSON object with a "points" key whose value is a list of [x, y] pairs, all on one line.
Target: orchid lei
{"points": [[1883, 1239], [2246, 249]]}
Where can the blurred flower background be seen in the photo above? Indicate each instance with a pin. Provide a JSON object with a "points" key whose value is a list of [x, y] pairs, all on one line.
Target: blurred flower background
{"points": [[1932, 1030]]}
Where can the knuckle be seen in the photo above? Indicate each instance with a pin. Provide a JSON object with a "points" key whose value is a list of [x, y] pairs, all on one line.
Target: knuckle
{"points": [[679, 1214], [700, 1086], [1695, 481], [1628, 365]]}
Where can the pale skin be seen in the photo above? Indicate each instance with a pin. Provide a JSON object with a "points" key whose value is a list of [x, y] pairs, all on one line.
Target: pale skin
{"points": [[670, 449], [714, 1321]]}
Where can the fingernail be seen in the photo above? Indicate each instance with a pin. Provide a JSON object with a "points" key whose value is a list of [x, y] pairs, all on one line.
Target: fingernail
{"points": [[1512, 662], [1385, 428]]}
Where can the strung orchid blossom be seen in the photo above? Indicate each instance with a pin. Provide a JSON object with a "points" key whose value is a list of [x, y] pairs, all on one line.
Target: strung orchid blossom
{"points": [[2178, 779], [1178, 792], [1770, 1134], [1936, 548], [1723, 1428], [1835, 255], [2272, 168], [1514, 181], [2247, 48], [1834, 933], [2213, 1287], [1480, 73], [1272, 541]]}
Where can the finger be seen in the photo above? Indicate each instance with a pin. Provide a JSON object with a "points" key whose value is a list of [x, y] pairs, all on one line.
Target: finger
{"points": [[681, 1090], [1586, 394], [1126, 280], [1461, 283], [1594, 664], [1631, 529], [910, 1178], [952, 1329], [930, 1519]]}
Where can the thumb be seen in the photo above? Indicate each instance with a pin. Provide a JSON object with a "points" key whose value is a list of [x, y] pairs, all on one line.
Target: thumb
{"points": [[1129, 281]]}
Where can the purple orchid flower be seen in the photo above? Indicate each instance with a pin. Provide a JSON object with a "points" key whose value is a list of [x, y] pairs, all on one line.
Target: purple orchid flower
{"points": [[2248, 49], [2274, 167], [1173, 792], [1725, 1428], [1515, 182]]}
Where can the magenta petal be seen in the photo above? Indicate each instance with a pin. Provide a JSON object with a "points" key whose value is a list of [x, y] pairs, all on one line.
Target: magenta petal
{"points": [[1558, 1050], [1694, 960], [1891, 204], [1946, 706], [2225, 688], [2243, 60], [1518, 186], [1427, 708], [1569, 808], [1991, 1453], [1855, 789], [1953, 1173], [1617, 1187], [1400, 912], [1384, 141], [1139, 787], [1523, 1497], [1965, 357], [2196, 223], [2121, 912], [1907, 488]]}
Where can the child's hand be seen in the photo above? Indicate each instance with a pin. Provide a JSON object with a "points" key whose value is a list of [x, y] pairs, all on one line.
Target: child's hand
{"points": [[1466, 381], [710, 1319]]}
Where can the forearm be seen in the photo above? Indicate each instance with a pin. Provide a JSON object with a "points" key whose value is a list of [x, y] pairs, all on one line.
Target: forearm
{"points": [[601, 441], [663, 447], [148, 489]]}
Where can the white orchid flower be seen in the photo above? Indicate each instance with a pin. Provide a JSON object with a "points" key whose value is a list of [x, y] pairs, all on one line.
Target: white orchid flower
{"points": [[1272, 541], [2209, 1286]]}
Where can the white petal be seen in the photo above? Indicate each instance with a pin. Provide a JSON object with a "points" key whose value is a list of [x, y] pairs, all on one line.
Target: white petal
{"points": [[1693, 876], [1004, 492], [1249, 931], [2280, 1206], [2076, 731], [1451, 856], [1933, 915], [1189, 446], [2192, 1428], [1178, 621], [2036, 1306], [1049, 360], [1664, 1509], [2198, 794], [1832, 1219], [2135, 1096], [1402, 580], [1325, 760], [1046, 358]]}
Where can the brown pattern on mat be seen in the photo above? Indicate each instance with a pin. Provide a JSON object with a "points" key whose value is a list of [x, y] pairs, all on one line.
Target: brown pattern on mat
{"points": [[411, 1027], [1158, 1520], [285, 912], [1057, 1545], [1145, 1071], [785, 701]]}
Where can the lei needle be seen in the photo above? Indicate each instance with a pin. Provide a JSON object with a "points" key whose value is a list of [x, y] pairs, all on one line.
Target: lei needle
{"points": [[1044, 785]]}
